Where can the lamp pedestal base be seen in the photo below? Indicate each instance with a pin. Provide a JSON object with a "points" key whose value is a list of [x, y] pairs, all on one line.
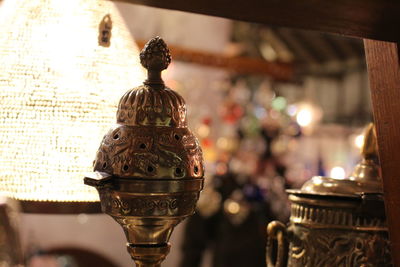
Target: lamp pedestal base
{"points": [[148, 255], [147, 210]]}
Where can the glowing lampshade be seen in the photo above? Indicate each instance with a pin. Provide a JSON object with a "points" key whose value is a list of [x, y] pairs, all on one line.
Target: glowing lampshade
{"points": [[64, 64]]}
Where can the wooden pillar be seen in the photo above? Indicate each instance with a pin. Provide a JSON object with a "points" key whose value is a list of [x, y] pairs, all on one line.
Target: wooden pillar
{"points": [[384, 77]]}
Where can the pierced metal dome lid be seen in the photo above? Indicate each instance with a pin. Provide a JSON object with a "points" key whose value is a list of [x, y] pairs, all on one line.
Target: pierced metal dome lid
{"points": [[153, 104], [151, 139], [365, 178]]}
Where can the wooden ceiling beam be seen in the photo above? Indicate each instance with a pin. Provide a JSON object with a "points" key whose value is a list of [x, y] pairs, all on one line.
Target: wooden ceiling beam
{"points": [[298, 47], [319, 45], [346, 48], [241, 65], [373, 19]]}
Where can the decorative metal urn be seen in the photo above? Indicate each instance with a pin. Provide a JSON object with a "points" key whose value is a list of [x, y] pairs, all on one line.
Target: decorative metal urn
{"points": [[335, 222], [149, 167]]}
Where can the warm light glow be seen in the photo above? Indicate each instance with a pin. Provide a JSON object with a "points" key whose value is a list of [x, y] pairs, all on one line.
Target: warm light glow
{"points": [[268, 52], [304, 117], [58, 93], [223, 143], [359, 141], [337, 173], [203, 131], [233, 207], [307, 115]]}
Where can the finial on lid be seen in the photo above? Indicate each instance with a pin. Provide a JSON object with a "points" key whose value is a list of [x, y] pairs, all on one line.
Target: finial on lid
{"points": [[155, 57], [370, 149], [368, 169]]}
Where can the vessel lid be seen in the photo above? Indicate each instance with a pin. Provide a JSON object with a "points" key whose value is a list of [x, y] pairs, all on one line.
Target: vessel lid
{"points": [[151, 139], [153, 103], [365, 178]]}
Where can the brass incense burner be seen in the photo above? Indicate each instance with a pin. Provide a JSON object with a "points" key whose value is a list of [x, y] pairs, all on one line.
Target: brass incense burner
{"points": [[149, 167], [335, 222]]}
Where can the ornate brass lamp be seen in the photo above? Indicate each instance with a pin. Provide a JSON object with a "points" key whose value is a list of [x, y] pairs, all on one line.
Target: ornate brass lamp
{"points": [[149, 167]]}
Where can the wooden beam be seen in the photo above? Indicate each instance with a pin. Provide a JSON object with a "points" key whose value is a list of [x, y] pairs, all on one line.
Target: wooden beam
{"points": [[242, 65], [297, 46], [384, 76], [346, 47], [323, 46], [372, 19]]}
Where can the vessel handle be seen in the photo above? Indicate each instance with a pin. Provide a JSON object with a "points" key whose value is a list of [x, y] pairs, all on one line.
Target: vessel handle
{"points": [[277, 245]]}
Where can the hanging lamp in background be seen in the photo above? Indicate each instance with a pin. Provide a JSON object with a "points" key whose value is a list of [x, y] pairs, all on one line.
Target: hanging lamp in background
{"points": [[63, 66]]}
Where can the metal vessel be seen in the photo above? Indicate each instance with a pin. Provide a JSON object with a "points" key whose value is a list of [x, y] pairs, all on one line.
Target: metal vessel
{"points": [[149, 167], [335, 222]]}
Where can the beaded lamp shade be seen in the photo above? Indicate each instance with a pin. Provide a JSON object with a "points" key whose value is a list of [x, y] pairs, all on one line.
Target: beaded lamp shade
{"points": [[64, 65]]}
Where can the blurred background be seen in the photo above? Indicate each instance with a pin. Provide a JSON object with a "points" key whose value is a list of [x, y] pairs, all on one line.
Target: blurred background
{"points": [[271, 107]]}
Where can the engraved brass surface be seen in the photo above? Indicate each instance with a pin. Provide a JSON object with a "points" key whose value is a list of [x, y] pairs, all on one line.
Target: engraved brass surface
{"points": [[149, 167], [325, 247], [150, 152], [335, 222]]}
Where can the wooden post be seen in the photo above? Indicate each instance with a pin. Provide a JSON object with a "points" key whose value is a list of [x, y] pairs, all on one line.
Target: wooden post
{"points": [[384, 77]]}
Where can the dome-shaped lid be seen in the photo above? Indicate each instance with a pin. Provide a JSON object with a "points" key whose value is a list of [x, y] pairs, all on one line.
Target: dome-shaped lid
{"points": [[365, 178], [151, 139], [153, 104]]}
